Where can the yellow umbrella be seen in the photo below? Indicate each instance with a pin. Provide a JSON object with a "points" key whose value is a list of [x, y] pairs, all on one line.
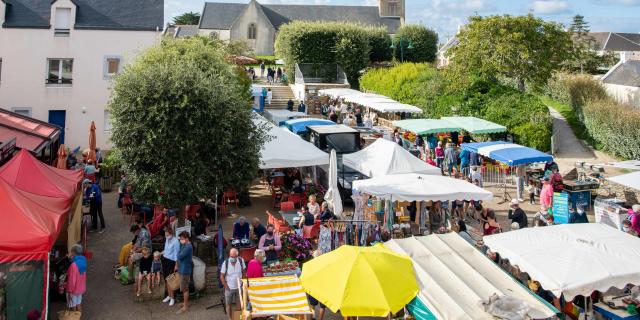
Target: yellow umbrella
{"points": [[361, 281]]}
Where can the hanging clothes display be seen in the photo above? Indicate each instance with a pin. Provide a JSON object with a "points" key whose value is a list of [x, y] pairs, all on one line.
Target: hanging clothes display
{"points": [[324, 239]]}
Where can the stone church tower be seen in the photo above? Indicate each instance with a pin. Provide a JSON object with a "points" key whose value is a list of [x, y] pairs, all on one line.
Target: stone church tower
{"points": [[392, 8]]}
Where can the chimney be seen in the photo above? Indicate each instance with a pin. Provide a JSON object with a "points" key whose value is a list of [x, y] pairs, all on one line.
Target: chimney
{"points": [[623, 57]]}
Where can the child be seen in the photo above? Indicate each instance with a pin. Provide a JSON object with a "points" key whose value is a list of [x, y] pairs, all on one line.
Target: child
{"points": [[156, 268], [531, 188], [145, 270]]}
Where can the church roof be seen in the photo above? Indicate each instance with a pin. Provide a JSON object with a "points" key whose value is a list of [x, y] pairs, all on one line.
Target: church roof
{"points": [[625, 74], [222, 15], [616, 41], [90, 14]]}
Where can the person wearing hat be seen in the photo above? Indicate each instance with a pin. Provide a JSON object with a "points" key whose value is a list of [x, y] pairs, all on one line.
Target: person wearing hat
{"points": [[517, 215], [93, 195], [546, 194], [578, 216]]}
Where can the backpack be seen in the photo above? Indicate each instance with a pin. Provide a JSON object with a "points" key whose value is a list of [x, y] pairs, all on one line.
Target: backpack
{"points": [[226, 264]]}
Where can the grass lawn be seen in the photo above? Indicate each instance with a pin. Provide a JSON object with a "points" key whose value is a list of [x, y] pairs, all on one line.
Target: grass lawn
{"points": [[567, 112]]}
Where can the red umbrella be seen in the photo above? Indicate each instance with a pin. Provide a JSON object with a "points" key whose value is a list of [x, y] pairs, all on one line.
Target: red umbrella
{"points": [[92, 142], [62, 157]]}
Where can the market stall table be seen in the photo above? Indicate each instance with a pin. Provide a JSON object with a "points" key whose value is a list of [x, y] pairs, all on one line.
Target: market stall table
{"points": [[614, 314]]}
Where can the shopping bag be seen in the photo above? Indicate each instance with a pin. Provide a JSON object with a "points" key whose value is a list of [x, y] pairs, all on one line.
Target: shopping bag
{"points": [[173, 281], [69, 315]]}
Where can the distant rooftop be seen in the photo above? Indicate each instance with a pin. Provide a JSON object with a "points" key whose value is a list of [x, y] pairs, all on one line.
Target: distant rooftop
{"points": [[616, 41], [625, 74]]}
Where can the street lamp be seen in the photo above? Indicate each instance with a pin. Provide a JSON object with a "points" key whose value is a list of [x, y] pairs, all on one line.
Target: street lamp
{"points": [[402, 42]]}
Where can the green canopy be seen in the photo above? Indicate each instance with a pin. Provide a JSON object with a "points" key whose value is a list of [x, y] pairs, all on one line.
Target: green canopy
{"points": [[426, 126], [475, 125]]}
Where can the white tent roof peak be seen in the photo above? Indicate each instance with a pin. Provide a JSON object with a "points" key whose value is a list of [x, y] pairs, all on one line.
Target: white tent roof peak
{"points": [[384, 157]]}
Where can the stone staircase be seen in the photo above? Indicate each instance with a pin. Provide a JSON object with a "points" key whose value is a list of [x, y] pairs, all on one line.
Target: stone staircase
{"points": [[281, 95]]}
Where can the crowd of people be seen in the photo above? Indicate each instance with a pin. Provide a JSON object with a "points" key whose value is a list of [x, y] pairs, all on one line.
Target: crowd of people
{"points": [[271, 73], [349, 114]]}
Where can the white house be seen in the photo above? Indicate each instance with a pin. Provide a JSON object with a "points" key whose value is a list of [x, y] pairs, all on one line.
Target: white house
{"points": [[622, 82], [58, 58], [624, 45]]}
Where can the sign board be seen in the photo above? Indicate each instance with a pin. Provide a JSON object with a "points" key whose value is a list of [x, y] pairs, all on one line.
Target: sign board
{"points": [[560, 208]]}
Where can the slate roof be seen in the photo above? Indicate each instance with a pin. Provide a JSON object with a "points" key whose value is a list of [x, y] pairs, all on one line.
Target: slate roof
{"points": [[625, 74], [218, 15], [615, 41], [222, 15], [183, 31], [90, 14]]}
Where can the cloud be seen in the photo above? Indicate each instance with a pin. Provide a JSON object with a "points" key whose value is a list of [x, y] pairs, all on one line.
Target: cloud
{"points": [[628, 3], [550, 6]]}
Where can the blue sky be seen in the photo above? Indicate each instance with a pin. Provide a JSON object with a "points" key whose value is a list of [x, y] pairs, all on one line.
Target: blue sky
{"points": [[445, 16]]}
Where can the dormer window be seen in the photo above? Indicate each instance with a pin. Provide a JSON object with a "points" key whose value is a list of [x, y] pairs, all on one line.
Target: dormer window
{"points": [[392, 8], [62, 22]]}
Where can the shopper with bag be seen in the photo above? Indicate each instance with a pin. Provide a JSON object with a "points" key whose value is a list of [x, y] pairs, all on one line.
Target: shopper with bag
{"points": [[231, 271], [76, 278], [169, 258], [185, 268]]}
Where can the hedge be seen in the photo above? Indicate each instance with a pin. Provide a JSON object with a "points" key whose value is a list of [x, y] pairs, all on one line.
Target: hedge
{"points": [[351, 46], [607, 124], [614, 126], [419, 84], [423, 39]]}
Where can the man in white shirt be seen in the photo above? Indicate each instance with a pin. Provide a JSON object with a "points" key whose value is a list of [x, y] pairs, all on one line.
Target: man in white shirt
{"points": [[232, 270]]}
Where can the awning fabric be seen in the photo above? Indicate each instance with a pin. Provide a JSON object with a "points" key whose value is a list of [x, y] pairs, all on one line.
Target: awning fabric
{"points": [[384, 157], [27, 173], [298, 126], [572, 259], [287, 150], [30, 134], [277, 295], [420, 187], [278, 116], [476, 125], [631, 180], [628, 164], [427, 126], [508, 153], [370, 100], [454, 278]]}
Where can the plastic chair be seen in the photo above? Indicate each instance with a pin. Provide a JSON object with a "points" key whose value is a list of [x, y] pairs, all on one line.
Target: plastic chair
{"points": [[297, 198], [315, 230], [287, 206], [306, 232]]}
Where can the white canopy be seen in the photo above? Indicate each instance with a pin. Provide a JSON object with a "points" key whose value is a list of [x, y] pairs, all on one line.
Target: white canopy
{"points": [[454, 278], [420, 187], [572, 259], [280, 115], [370, 100], [287, 150], [384, 157], [628, 164], [631, 180]]}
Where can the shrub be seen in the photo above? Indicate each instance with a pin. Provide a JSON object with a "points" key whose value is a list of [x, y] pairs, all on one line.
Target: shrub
{"points": [[423, 39], [351, 46], [614, 126]]}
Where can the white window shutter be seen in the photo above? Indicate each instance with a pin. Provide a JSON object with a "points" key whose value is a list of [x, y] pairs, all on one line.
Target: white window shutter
{"points": [[63, 19]]}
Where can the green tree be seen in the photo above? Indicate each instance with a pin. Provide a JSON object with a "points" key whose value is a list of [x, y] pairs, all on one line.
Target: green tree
{"points": [[188, 18], [182, 124], [522, 48], [584, 58], [423, 40]]}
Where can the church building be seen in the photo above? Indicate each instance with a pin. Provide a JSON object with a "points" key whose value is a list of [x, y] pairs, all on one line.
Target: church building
{"points": [[258, 24]]}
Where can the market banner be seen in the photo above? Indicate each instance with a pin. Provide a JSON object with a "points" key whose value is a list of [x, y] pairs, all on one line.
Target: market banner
{"points": [[277, 295], [560, 208]]}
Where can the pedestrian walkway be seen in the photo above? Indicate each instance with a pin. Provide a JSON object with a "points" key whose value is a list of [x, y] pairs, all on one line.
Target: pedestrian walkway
{"points": [[569, 148]]}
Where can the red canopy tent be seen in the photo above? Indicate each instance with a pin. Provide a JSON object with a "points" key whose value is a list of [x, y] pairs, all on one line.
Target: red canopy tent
{"points": [[27, 173], [35, 202]]}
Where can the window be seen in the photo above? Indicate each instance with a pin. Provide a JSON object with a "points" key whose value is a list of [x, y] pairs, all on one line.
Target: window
{"points": [[392, 8], [213, 35], [22, 111], [107, 122], [59, 71], [112, 66], [252, 32], [62, 23]]}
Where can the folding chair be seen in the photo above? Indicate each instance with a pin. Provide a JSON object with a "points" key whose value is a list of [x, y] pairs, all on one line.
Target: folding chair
{"points": [[287, 206]]}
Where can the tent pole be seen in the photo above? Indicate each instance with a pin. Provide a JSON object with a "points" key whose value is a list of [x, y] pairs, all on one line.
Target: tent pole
{"points": [[215, 219], [46, 294]]}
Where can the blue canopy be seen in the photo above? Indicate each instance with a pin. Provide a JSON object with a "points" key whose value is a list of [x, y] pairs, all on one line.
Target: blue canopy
{"points": [[299, 126], [508, 153]]}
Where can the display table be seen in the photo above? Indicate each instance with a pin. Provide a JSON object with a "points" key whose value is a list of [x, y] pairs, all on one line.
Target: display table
{"points": [[296, 272], [610, 212], [614, 314]]}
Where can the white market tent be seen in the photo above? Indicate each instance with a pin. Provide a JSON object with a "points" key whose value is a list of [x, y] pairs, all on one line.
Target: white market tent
{"points": [[572, 259], [628, 164], [369, 100], [287, 150], [384, 157], [420, 187], [454, 278], [631, 180], [280, 115]]}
